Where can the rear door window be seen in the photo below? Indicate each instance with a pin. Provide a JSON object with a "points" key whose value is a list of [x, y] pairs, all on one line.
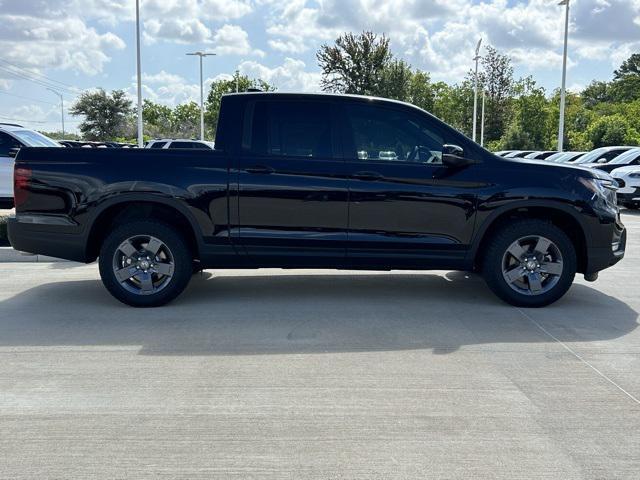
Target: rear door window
{"points": [[289, 129]]}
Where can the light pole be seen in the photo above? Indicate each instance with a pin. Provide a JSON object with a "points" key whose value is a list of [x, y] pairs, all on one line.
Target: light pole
{"points": [[61, 108], [564, 75], [482, 120], [475, 91], [139, 75], [201, 55]]}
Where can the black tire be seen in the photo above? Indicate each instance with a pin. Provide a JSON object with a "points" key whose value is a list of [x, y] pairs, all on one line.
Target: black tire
{"points": [[495, 271], [174, 246]]}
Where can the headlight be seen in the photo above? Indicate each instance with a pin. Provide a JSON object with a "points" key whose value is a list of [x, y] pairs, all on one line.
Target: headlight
{"points": [[603, 189]]}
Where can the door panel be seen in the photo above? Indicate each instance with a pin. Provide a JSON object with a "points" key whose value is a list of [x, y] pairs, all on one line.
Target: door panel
{"points": [[406, 210], [292, 187]]}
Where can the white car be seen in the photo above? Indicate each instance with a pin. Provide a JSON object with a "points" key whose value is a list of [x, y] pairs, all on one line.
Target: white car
{"points": [[628, 179], [12, 138], [179, 143]]}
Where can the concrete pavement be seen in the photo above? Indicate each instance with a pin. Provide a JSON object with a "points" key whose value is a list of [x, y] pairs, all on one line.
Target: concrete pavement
{"points": [[321, 375]]}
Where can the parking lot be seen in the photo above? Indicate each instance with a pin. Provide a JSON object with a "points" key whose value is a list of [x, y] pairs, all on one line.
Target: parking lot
{"points": [[321, 375]]}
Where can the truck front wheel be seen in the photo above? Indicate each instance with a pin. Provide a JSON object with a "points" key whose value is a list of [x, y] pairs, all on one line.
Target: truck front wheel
{"points": [[145, 263], [529, 263]]}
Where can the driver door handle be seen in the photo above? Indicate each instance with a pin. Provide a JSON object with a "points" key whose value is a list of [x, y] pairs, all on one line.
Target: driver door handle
{"points": [[367, 175]]}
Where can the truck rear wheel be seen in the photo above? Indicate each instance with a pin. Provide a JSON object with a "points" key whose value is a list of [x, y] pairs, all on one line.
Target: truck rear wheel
{"points": [[530, 263], [145, 263]]}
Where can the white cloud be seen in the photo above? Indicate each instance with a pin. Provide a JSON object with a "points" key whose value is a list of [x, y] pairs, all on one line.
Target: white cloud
{"points": [[232, 39], [291, 76], [45, 38]]}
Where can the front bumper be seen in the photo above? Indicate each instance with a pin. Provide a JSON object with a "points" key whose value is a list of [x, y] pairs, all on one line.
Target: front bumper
{"points": [[601, 257], [47, 237], [631, 196]]}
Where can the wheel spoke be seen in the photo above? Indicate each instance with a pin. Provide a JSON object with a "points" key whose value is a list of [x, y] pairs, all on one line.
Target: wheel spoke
{"points": [[552, 268], [153, 246], [535, 283], [542, 246], [145, 281], [127, 248], [125, 273], [517, 251], [514, 274], [164, 268]]}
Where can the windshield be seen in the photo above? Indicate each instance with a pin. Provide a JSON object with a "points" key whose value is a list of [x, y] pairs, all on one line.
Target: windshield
{"points": [[556, 156], [34, 139], [626, 157], [594, 155]]}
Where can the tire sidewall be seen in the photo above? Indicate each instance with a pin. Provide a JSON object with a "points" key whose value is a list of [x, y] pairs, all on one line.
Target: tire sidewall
{"points": [[498, 245], [182, 257]]}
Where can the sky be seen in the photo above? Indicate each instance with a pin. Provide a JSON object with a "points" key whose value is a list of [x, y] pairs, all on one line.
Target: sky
{"points": [[76, 45]]}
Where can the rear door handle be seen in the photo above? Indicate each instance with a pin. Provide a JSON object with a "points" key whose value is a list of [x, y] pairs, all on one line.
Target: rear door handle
{"points": [[264, 169], [365, 175]]}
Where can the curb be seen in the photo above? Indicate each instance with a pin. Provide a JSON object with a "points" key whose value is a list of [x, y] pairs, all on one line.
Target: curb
{"points": [[9, 255]]}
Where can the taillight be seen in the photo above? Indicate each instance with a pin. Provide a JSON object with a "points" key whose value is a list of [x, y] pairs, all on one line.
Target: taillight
{"points": [[21, 180]]}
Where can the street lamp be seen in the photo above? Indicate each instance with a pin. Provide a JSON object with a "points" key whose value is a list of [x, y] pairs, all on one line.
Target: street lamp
{"points": [[139, 74], [475, 90], [564, 75], [201, 55], [482, 119], [61, 108]]}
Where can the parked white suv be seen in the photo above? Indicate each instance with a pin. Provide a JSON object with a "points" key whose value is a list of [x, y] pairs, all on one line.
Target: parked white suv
{"points": [[628, 179], [12, 138], [179, 143]]}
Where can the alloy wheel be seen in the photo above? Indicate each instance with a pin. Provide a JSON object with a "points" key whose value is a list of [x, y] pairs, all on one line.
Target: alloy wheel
{"points": [[143, 265], [532, 265]]}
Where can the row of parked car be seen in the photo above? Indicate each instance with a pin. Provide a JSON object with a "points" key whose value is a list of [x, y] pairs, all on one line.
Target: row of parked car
{"points": [[621, 162]]}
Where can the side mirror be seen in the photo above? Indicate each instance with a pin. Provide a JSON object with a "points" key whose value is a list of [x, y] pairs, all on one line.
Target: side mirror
{"points": [[453, 156], [13, 152]]}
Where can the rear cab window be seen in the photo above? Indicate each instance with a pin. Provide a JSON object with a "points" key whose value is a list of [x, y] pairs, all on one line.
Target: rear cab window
{"points": [[289, 128]]}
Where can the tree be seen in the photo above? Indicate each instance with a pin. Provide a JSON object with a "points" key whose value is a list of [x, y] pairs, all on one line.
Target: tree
{"points": [[158, 119], [612, 130], [528, 128], [596, 92], [106, 116], [454, 105], [395, 81], [239, 82], [497, 80], [626, 80], [421, 91], [354, 64], [186, 120]]}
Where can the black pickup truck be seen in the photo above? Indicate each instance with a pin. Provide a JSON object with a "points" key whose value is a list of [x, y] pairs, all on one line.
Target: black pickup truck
{"points": [[318, 181]]}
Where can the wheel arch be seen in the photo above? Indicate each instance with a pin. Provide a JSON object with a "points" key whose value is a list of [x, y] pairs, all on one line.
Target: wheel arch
{"points": [[137, 207], [560, 215]]}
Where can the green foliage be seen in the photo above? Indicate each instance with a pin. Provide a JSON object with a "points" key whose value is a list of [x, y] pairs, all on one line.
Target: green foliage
{"points": [[626, 80], [356, 64], [612, 130], [105, 115], [57, 135], [454, 105], [497, 81]]}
